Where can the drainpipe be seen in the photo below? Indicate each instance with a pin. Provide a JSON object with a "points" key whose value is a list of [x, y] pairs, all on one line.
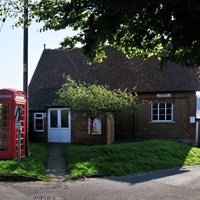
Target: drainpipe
{"points": [[197, 134]]}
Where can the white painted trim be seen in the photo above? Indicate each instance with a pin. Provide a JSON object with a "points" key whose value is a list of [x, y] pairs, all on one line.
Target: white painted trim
{"points": [[35, 118], [162, 121]]}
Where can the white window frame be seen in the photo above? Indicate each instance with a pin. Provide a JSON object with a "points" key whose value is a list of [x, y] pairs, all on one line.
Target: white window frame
{"points": [[35, 119], [165, 109]]}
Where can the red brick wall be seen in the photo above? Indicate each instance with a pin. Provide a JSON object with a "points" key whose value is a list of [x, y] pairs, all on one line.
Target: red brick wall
{"points": [[110, 130], [139, 127], [79, 130], [181, 128], [124, 125]]}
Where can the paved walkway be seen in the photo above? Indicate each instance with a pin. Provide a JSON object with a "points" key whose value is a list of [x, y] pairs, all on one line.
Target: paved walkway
{"points": [[56, 168]]}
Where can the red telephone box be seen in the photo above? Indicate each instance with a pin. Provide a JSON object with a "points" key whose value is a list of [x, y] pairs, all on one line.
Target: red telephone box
{"points": [[10, 101]]}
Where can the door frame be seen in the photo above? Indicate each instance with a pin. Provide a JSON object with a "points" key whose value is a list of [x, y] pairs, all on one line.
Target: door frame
{"points": [[59, 130]]}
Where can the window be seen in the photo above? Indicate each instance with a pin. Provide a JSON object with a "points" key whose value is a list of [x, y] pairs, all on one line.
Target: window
{"points": [[54, 118], [38, 122], [162, 112], [64, 118]]}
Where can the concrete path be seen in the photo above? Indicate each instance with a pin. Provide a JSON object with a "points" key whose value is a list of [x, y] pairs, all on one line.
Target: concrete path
{"points": [[56, 168]]}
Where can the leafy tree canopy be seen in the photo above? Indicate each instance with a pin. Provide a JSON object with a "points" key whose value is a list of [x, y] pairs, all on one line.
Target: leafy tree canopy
{"points": [[95, 100], [166, 29]]}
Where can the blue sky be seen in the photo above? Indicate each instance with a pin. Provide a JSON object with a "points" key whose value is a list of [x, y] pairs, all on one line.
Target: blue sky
{"points": [[11, 54]]}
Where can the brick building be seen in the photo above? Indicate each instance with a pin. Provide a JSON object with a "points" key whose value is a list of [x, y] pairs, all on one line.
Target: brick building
{"points": [[167, 98]]}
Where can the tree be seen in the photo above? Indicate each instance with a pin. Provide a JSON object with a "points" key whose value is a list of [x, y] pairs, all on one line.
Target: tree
{"points": [[95, 100], [166, 29]]}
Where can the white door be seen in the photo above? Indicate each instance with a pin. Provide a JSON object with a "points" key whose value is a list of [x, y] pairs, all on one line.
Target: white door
{"points": [[59, 125]]}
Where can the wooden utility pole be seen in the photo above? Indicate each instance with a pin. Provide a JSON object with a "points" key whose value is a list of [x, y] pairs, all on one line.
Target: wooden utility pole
{"points": [[25, 67], [25, 52]]}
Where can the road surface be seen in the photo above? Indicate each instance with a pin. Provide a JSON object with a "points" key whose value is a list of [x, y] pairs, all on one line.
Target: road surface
{"points": [[170, 184]]}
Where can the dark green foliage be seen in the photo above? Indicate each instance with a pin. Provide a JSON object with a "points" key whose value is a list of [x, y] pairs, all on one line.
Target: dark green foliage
{"points": [[138, 27]]}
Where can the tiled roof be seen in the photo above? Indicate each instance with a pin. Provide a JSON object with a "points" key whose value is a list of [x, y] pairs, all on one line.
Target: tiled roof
{"points": [[116, 71]]}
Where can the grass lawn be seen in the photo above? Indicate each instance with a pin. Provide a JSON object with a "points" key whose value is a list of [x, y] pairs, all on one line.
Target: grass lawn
{"points": [[126, 158], [31, 166]]}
